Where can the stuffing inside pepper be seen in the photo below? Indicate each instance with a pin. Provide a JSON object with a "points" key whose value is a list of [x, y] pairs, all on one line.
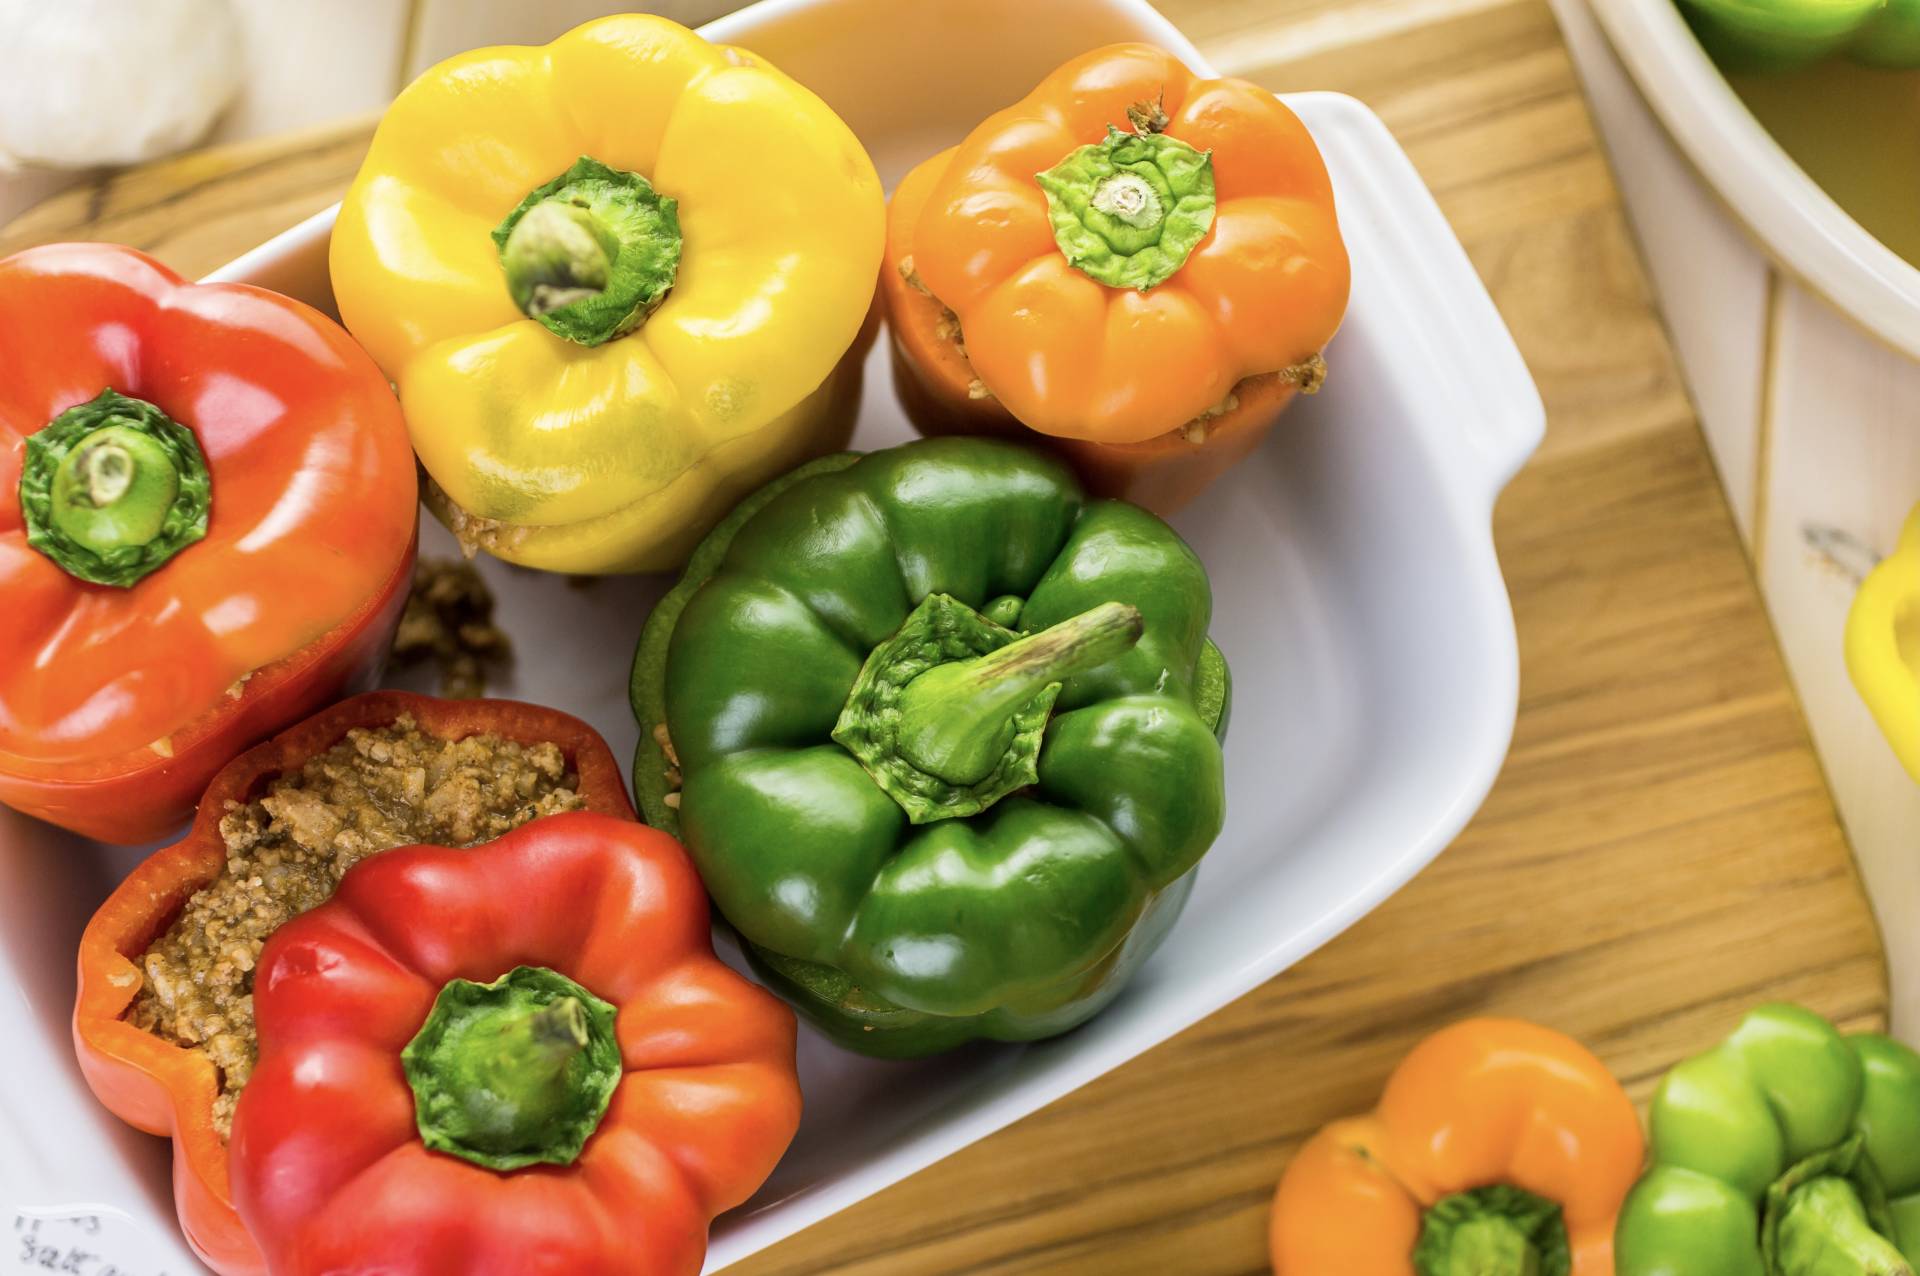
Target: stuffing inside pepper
{"points": [[287, 850]]}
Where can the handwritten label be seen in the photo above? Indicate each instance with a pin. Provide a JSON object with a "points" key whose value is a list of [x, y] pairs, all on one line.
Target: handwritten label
{"points": [[80, 1243]]}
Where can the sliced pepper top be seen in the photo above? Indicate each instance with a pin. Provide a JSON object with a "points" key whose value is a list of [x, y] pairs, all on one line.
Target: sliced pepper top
{"points": [[1026, 765]]}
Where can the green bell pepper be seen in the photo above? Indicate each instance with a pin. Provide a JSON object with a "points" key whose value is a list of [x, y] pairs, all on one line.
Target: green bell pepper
{"points": [[941, 736], [1781, 35], [1786, 1150]]}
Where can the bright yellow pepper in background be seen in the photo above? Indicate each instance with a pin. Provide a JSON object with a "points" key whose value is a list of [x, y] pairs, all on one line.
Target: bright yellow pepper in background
{"points": [[1883, 645], [618, 280]]}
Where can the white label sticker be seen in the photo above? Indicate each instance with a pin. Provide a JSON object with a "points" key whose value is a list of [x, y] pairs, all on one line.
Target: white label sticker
{"points": [[80, 1243]]}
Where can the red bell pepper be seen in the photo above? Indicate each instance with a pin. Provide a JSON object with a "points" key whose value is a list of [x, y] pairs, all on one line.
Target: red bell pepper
{"points": [[207, 514], [518, 1058], [157, 1086]]}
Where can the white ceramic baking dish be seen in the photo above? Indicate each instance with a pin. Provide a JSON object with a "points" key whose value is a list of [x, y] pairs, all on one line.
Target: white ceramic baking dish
{"points": [[1357, 596]]}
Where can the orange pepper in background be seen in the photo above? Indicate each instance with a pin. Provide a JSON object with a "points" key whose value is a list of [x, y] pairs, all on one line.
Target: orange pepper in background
{"points": [[1484, 1104], [1151, 389]]}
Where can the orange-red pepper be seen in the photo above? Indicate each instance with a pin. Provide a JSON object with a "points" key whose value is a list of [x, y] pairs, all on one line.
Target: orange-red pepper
{"points": [[1494, 1138], [207, 514], [162, 1089], [519, 1058], [1070, 270]]}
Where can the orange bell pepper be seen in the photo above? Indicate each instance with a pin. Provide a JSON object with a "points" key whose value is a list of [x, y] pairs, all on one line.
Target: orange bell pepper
{"points": [[1498, 1147], [162, 1089], [1139, 264]]}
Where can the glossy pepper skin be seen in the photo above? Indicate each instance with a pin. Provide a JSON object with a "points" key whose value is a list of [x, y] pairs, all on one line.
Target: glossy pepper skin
{"points": [[162, 1089], [1019, 907], [329, 1167], [996, 331], [1781, 35], [1880, 654], [1786, 1150], [119, 701], [1475, 1110], [614, 456]]}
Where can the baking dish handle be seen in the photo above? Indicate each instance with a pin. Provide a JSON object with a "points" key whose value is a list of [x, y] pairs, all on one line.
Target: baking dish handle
{"points": [[1462, 349]]}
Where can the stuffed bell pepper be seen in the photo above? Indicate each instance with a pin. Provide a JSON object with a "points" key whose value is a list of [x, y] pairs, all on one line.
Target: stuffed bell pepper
{"points": [[619, 281], [1499, 1148], [941, 736], [1781, 35], [207, 517], [165, 1022], [1132, 265], [514, 1059], [1786, 1150]]}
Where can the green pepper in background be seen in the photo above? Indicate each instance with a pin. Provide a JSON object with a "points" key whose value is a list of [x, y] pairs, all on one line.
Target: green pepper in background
{"points": [[1786, 1150], [941, 736], [1780, 35]]}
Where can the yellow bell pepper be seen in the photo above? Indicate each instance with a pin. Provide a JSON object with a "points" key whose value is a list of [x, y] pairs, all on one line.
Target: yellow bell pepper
{"points": [[1883, 645], [620, 280]]}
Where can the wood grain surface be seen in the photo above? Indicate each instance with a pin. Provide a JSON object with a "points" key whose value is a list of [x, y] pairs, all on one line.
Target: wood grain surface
{"points": [[1661, 851]]}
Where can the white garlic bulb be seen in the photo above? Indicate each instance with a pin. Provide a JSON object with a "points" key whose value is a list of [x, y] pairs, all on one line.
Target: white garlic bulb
{"points": [[89, 82]]}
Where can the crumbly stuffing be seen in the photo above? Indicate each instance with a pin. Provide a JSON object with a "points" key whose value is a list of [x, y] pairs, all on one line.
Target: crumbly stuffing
{"points": [[948, 326], [1307, 377], [674, 777], [472, 531], [449, 620], [912, 276], [287, 850], [1195, 431]]}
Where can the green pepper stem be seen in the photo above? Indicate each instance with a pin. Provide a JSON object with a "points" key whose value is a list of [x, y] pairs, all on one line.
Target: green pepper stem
{"points": [[514, 1072], [555, 255], [518, 1063], [558, 1033], [1498, 1230], [1128, 211], [956, 719], [1824, 1231], [1827, 1215], [1491, 1246], [1129, 198], [112, 489], [592, 253], [1149, 117]]}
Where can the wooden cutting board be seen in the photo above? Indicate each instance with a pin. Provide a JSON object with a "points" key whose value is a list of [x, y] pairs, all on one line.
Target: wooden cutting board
{"points": [[1661, 851]]}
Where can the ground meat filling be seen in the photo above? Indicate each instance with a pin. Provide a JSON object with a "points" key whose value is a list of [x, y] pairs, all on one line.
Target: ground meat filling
{"points": [[449, 620], [287, 850]]}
